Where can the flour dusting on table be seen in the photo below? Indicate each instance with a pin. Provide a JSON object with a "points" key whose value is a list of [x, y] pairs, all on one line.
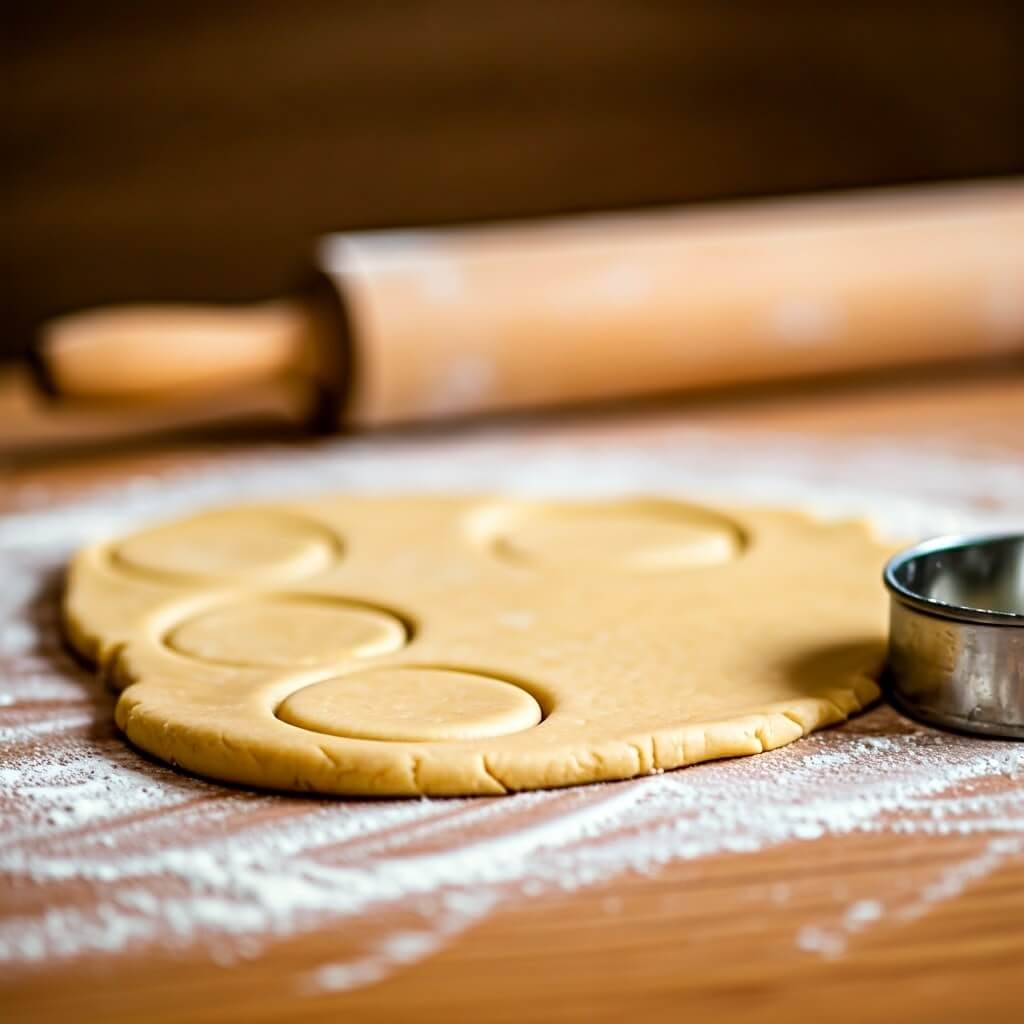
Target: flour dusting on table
{"points": [[103, 851]]}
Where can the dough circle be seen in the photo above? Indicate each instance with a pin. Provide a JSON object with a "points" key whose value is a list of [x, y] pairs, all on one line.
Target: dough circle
{"points": [[234, 543], [415, 645], [283, 633], [412, 705], [656, 538]]}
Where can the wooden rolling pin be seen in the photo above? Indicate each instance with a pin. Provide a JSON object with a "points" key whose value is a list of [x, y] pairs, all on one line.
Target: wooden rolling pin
{"points": [[424, 324]]}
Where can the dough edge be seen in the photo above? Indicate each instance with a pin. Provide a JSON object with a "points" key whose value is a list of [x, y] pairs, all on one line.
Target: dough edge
{"points": [[346, 767]]}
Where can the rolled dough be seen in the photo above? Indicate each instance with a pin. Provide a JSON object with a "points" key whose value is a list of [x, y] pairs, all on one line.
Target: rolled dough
{"points": [[398, 646]]}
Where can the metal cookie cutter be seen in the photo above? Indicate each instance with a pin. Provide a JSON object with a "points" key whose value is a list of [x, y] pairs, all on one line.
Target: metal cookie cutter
{"points": [[956, 638]]}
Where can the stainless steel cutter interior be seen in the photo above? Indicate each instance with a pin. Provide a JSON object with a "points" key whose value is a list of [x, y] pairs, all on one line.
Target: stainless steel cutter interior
{"points": [[956, 638]]}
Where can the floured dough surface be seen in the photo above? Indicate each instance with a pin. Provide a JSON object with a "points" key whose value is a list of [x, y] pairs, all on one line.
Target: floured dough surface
{"points": [[399, 646]]}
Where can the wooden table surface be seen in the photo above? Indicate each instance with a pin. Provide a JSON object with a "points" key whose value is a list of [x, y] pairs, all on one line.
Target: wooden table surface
{"points": [[765, 934]]}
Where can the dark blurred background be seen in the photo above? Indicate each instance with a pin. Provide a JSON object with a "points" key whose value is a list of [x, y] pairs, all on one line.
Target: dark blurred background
{"points": [[193, 150]]}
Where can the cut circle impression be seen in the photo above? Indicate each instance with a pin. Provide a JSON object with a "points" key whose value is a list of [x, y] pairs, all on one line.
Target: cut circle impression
{"points": [[238, 544], [636, 536], [412, 704], [288, 632]]}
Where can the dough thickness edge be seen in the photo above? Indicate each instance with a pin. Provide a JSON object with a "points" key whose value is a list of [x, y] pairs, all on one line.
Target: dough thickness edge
{"points": [[420, 772]]}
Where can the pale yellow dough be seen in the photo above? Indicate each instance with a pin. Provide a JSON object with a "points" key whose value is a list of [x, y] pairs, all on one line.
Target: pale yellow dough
{"points": [[400, 646]]}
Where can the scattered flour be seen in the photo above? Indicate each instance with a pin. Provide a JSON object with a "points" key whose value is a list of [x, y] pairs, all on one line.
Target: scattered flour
{"points": [[103, 851]]}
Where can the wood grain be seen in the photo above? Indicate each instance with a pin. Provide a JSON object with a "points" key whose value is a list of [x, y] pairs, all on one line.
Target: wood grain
{"points": [[701, 940], [705, 942]]}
